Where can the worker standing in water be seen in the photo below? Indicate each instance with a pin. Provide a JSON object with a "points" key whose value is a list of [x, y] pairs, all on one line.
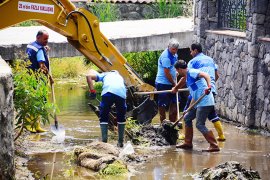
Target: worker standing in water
{"points": [[205, 64], [113, 92], [165, 80], [37, 54], [198, 83]]}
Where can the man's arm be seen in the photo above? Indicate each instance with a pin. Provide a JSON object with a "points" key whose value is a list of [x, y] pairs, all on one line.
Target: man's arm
{"points": [[206, 77], [169, 76], [180, 84], [90, 79]]}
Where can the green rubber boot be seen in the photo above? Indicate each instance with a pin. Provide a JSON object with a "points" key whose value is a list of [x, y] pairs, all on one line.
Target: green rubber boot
{"points": [[121, 132], [104, 132]]}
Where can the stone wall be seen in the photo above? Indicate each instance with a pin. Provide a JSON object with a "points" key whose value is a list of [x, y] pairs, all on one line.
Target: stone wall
{"points": [[243, 59], [136, 11], [7, 170]]}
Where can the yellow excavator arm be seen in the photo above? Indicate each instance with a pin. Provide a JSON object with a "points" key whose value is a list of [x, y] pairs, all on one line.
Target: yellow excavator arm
{"points": [[79, 26]]}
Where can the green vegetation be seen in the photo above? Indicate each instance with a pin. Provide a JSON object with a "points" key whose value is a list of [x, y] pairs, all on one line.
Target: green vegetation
{"points": [[70, 67], [28, 23], [30, 96], [169, 10], [106, 12], [145, 64], [116, 168]]}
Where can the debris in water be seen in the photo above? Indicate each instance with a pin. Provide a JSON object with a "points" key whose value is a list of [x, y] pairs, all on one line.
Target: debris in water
{"points": [[157, 135], [228, 170]]}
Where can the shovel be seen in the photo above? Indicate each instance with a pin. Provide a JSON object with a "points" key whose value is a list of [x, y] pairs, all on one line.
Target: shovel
{"points": [[189, 108], [56, 129]]}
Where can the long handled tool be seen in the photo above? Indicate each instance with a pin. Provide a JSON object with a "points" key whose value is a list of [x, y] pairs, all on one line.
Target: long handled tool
{"points": [[159, 92], [57, 129], [189, 108]]}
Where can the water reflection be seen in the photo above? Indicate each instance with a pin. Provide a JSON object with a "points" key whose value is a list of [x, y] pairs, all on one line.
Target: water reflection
{"points": [[82, 127]]}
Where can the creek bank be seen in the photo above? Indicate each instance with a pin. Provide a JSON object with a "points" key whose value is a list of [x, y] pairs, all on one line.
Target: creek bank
{"points": [[228, 170]]}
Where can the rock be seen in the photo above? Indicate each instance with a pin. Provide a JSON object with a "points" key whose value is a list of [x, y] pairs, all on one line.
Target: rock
{"points": [[228, 170], [96, 156]]}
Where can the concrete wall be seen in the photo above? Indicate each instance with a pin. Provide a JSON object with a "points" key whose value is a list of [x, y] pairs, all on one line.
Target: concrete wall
{"points": [[243, 59], [7, 170]]}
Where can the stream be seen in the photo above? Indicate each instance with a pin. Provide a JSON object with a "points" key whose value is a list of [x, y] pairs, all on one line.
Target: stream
{"points": [[82, 127]]}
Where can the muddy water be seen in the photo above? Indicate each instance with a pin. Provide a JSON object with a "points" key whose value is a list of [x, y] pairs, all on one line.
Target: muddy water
{"points": [[251, 150]]}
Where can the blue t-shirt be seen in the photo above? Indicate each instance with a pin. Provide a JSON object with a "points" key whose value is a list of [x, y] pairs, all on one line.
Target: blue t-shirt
{"points": [[196, 86], [166, 60], [205, 64], [113, 83], [40, 56]]}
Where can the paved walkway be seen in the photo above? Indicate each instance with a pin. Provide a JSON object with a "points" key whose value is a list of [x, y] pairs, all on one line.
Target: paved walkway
{"points": [[155, 32]]}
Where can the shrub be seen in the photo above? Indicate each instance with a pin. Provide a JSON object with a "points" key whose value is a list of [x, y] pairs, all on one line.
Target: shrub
{"points": [[70, 67], [30, 96], [145, 64]]}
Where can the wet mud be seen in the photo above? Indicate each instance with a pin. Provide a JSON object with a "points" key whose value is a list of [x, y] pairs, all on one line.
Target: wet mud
{"points": [[228, 170], [157, 135]]}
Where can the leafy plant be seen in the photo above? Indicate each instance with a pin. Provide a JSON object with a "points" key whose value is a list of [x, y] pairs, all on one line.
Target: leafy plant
{"points": [[145, 64], [169, 9], [30, 96], [105, 11]]}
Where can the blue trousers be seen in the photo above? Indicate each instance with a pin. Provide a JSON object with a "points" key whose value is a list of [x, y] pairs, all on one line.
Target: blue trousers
{"points": [[200, 113], [213, 117], [107, 101]]}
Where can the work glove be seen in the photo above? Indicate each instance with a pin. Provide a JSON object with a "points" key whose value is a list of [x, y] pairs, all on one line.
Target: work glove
{"points": [[208, 90], [92, 94]]}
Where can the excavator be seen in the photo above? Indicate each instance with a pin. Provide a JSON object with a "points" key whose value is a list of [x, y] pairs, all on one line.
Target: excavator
{"points": [[81, 28]]}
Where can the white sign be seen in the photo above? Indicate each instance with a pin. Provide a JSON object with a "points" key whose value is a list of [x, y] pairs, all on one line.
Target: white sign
{"points": [[35, 7]]}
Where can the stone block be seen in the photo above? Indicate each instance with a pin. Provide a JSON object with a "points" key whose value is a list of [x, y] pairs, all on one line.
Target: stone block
{"points": [[259, 6], [261, 51], [258, 19], [253, 49], [212, 9], [7, 169]]}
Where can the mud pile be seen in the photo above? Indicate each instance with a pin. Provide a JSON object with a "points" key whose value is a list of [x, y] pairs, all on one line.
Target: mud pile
{"points": [[228, 170], [158, 135]]}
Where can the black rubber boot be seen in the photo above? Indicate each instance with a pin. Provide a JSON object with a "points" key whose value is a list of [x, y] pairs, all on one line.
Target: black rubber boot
{"points": [[104, 132], [121, 132]]}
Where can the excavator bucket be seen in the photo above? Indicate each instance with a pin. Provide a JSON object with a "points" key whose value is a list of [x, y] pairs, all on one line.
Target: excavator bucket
{"points": [[145, 112]]}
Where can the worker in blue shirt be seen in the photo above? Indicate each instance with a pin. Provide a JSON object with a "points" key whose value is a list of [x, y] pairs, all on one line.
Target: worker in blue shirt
{"points": [[165, 80], [198, 83], [207, 64], [37, 54], [113, 92]]}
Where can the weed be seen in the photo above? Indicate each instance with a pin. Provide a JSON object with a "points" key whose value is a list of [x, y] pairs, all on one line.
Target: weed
{"points": [[30, 96], [106, 12], [116, 168], [69, 67]]}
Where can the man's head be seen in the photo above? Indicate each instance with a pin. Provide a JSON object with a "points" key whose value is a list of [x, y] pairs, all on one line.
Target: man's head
{"points": [[195, 49], [42, 37], [173, 46], [181, 67]]}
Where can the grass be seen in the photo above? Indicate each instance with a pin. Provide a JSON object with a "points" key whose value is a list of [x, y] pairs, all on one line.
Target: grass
{"points": [[69, 67]]}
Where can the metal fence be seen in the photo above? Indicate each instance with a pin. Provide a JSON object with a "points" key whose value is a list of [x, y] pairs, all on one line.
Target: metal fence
{"points": [[232, 14]]}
